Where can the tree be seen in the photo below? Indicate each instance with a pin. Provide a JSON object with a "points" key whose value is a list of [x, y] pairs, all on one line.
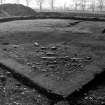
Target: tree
{"points": [[1, 1], [52, 4], [28, 2], [83, 4], [40, 3], [101, 4], [77, 4], [92, 6]]}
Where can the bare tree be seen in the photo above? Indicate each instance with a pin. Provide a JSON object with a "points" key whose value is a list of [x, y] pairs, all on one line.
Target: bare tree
{"points": [[77, 4], [92, 6], [64, 6], [1, 1], [40, 3], [28, 2], [101, 4], [83, 4], [52, 4]]}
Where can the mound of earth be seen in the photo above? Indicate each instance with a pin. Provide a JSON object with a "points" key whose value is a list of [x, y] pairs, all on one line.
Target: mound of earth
{"points": [[15, 10]]}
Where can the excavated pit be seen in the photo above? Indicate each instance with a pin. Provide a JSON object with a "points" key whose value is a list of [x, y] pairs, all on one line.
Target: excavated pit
{"points": [[86, 69], [79, 78], [57, 74], [72, 98]]}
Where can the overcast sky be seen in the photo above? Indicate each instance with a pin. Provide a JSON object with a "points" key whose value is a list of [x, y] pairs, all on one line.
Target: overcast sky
{"points": [[46, 4]]}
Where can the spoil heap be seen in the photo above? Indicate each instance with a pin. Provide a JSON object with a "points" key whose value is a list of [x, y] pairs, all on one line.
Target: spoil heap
{"points": [[15, 10]]}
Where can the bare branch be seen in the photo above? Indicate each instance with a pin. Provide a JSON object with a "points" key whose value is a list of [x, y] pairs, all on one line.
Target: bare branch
{"points": [[101, 4]]}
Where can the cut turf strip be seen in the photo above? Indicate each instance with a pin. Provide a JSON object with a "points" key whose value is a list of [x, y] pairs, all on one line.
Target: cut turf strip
{"points": [[74, 81]]}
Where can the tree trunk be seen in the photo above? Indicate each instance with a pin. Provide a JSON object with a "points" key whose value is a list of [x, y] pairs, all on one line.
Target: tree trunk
{"points": [[101, 5], [76, 5], [40, 6], [27, 2], [52, 4], [1, 1], [83, 4]]}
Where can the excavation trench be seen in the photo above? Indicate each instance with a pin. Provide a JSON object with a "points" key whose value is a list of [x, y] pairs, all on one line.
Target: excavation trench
{"points": [[72, 98]]}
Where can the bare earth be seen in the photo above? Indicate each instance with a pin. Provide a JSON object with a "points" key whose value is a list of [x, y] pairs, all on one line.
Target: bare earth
{"points": [[29, 41]]}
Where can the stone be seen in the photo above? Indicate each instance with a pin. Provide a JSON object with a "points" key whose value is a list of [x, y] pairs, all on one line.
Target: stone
{"points": [[43, 48], [50, 54], [36, 44], [53, 48]]}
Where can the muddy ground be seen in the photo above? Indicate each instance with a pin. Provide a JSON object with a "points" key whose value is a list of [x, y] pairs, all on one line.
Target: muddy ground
{"points": [[21, 40]]}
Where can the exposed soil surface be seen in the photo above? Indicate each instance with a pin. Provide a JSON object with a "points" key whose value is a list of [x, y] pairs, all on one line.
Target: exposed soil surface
{"points": [[52, 44]]}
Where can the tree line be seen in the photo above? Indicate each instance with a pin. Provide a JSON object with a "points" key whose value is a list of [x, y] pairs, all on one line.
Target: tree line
{"points": [[77, 3], [83, 4], [39, 2]]}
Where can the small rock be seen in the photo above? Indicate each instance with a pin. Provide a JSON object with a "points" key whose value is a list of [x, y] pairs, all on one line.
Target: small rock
{"points": [[88, 58], [53, 48], [43, 48], [91, 98], [8, 73], [2, 78], [39, 96], [28, 63], [50, 54], [57, 78], [33, 66], [18, 85], [36, 44], [86, 98], [102, 103], [43, 70]]}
